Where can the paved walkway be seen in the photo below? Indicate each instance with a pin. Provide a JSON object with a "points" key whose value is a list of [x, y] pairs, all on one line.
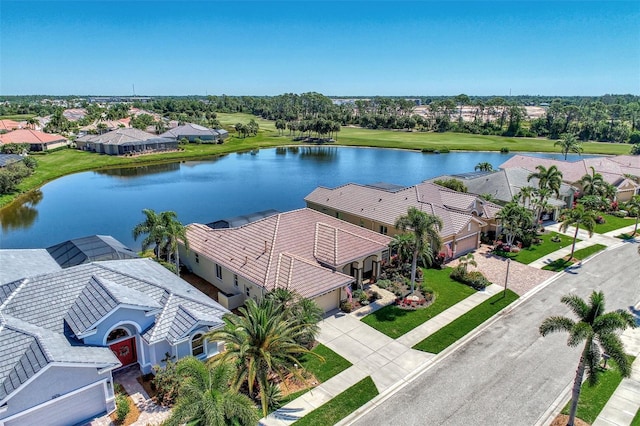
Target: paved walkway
{"points": [[625, 402], [389, 362]]}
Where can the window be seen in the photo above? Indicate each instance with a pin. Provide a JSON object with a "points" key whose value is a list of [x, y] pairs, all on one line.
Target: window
{"points": [[116, 334], [247, 290], [219, 271], [362, 223], [197, 344], [235, 280], [383, 230], [338, 215], [197, 258]]}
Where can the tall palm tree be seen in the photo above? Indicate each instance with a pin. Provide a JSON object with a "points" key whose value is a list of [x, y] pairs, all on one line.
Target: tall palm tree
{"points": [[154, 228], [598, 330], [425, 228], [592, 184], [262, 344], [205, 397], [515, 221], [550, 178], [577, 217], [484, 167], [299, 311], [402, 244], [525, 195], [634, 207], [568, 143], [174, 231]]}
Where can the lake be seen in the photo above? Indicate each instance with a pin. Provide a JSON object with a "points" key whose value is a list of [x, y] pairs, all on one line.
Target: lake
{"points": [[110, 202]]}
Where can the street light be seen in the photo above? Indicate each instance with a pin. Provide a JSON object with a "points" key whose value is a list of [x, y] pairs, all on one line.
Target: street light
{"points": [[506, 279]]}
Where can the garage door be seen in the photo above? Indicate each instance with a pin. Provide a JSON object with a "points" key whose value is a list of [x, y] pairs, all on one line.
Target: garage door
{"points": [[329, 301], [467, 244], [71, 410]]}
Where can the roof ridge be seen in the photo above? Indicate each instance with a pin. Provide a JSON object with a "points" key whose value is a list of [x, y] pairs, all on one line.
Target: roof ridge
{"points": [[350, 233], [10, 297], [273, 243], [35, 336], [164, 308]]}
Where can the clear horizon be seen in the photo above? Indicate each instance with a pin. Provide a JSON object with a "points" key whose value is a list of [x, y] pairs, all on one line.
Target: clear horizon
{"points": [[339, 49]]}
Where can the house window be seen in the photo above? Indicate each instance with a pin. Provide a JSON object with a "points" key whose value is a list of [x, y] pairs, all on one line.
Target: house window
{"points": [[362, 223], [219, 271], [247, 291], [235, 280], [383, 230], [197, 258], [197, 344], [338, 215], [116, 334], [385, 256]]}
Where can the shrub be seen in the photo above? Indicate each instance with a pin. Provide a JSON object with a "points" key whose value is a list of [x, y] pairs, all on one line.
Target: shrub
{"points": [[600, 220], [619, 213], [345, 306], [374, 296], [473, 279], [428, 150], [122, 407], [359, 295], [384, 284], [444, 150], [504, 150], [166, 382]]}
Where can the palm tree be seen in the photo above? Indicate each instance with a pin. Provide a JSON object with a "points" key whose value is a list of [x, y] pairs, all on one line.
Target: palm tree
{"points": [[484, 167], [205, 397], [402, 244], [515, 221], [634, 207], [576, 217], [592, 184], [599, 331], [525, 194], [550, 178], [467, 260], [425, 228], [299, 311], [568, 143], [262, 344], [154, 227], [174, 231], [32, 122]]}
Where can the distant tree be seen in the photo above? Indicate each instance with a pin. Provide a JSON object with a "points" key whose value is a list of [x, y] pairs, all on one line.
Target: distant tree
{"points": [[635, 149], [32, 122], [452, 183], [568, 144], [484, 167], [578, 217]]}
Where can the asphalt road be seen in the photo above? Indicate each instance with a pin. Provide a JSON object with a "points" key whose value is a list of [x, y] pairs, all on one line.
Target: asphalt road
{"points": [[509, 374]]}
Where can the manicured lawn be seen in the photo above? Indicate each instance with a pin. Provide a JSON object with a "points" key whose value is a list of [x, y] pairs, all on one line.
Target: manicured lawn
{"points": [[17, 117], [460, 327], [536, 251], [636, 419], [342, 405], [560, 264], [612, 223], [327, 368], [594, 398], [394, 322]]}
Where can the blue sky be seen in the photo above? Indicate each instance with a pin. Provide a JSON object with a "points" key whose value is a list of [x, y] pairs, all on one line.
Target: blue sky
{"points": [[335, 48]]}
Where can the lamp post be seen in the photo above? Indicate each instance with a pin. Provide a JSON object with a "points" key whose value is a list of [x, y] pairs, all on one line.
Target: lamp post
{"points": [[506, 279]]}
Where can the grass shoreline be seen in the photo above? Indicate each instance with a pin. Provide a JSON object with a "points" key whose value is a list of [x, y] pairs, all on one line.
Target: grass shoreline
{"points": [[69, 161]]}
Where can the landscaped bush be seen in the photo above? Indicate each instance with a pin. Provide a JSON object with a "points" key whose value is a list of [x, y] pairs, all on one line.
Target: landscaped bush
{"points": [[166, 381], [600, 220], [122, 407], [360, 296], [374, 296], [428, 150], [384, 284], [444, 150], [346, 306], [474, 279], [619, 213]]}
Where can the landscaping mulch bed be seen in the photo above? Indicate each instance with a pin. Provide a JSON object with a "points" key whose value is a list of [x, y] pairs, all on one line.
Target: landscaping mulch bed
{"points": [[131, 418], [561, 420]]}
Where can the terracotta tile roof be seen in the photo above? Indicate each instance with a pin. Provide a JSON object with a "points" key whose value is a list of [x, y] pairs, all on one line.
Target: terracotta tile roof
{"points": [[9, 125], [30, 137], [289, 249], [453, 208]]}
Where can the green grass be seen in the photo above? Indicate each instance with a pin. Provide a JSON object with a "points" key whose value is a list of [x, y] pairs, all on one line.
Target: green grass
{"points": [[394, 322], [560, 264], [342, 405], [61, 163], [17, 117], [612, 223], [636, 419], [327, 368], [461, 326], [536, 251], [594, 398]]}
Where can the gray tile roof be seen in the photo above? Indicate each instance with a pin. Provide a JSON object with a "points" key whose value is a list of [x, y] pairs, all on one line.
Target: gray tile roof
{"points": [[124, 136], [192, 130], [88, 249], [14, 263], [34, 311]]}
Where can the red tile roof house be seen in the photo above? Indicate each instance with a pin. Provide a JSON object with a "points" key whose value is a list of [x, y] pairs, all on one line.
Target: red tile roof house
{"points": [[38, 141], [377, 206], [316, 255], [612, 169], [9, 125]]}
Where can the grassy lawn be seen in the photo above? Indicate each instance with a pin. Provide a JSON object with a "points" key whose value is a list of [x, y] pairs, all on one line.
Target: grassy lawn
{"points": [[594, 398], [461, 326], [560, 264], [536, 251], [394, 322], [342, 405], [56, 164], [636, 419], [611, 223], [17, 117]]}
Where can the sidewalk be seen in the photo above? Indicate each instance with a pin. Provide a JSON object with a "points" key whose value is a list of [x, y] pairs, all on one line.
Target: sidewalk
{"points": [[625, 401], [389, 362]]}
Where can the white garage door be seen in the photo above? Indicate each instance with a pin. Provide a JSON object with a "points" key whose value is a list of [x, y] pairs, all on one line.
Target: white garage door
{"points": [[67, 411], [329, 301]]}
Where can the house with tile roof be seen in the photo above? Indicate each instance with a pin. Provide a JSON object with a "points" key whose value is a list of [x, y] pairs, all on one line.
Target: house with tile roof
{"points": [[306, 251], [38, 141], [89, 249], [9, 125], [614, 170], [191, 132], [125, 141], [378, 206], [504, 184], [63, 332]]}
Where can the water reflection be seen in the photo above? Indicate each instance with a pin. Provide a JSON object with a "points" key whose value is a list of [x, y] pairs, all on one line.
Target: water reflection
{"points": [[21, 214], [141, 170], [324, 154]]}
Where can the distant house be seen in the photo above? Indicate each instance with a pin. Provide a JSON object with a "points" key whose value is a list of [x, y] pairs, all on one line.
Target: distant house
{"points": [[125, 141], [74, 114], [38, 141], [378, 206], [316, 255], [6, 159], [107, 125], [8, 125], [614, 170], [191, 132], [89, 249], [63, 332], [503, 185]]}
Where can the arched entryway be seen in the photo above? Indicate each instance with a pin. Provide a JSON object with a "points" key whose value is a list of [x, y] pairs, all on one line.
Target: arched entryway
{"points": [[122, 342]]}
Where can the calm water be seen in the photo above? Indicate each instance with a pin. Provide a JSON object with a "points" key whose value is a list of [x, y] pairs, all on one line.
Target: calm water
{"points": [[110, 202]]}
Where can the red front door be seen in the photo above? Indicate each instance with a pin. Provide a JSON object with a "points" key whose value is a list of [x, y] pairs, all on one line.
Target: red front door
{"points": [[125, 351]]}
